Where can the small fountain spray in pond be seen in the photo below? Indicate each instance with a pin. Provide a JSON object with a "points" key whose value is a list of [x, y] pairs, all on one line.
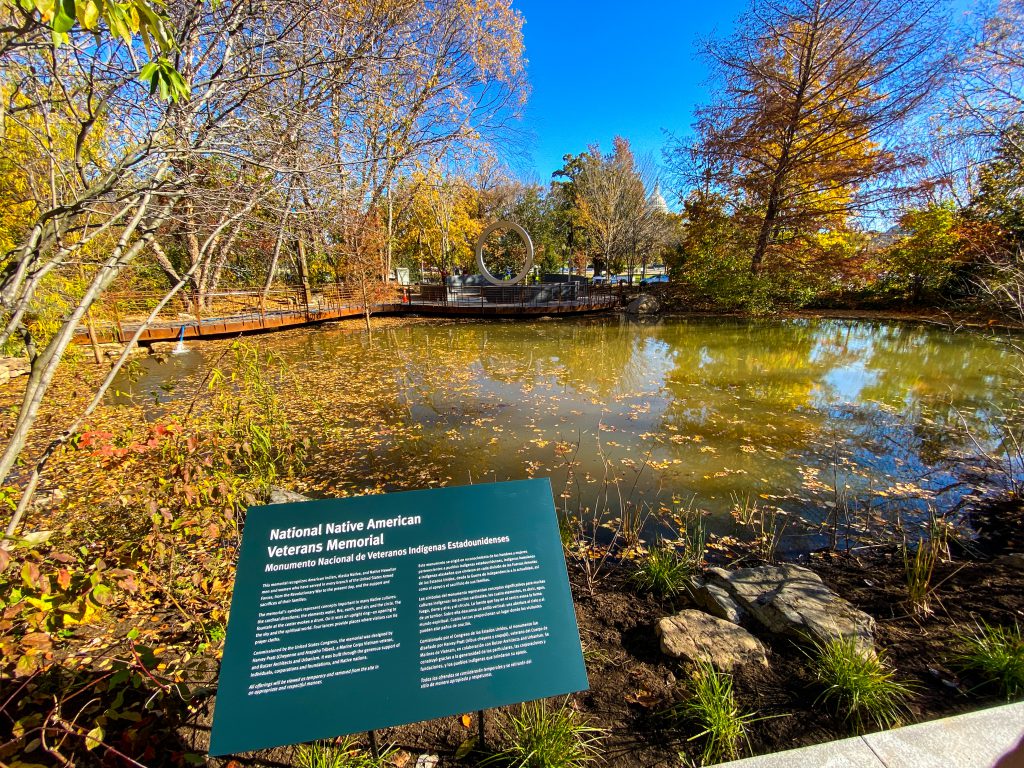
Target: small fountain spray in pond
{"points": [[180, 349]]}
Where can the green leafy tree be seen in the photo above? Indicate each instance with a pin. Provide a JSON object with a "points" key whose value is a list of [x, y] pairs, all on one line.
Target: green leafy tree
{"points": [[567, 219], [1000, 183], [710, 259], [924, 259], [117, 19]]}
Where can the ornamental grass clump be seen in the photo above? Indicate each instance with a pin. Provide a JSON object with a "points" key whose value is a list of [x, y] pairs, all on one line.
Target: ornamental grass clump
{"points": [[662, 571], [995, 654], [542, 736], [340, 754], [712, 707], [859, 685], [919, 567]]}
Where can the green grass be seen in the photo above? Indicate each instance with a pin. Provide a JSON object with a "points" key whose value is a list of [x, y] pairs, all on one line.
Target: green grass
{"points": [[918, 571], [568, 530], [997, 655], [858, 685], [712, 707], [341, 754], [919, 567], [542, 736], [662, 571]]}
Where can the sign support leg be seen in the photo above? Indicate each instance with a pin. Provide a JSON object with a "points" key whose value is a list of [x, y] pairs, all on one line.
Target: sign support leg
{"points": [[374, 751], [480, 726]]}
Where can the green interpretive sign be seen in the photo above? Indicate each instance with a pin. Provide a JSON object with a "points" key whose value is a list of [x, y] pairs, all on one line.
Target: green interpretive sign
{"points": [[356, 614]]}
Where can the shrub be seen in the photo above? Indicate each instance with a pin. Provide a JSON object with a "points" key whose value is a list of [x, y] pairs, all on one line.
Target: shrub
{"points": [[996, 654], [859, 685], [540, 736], [712, 707]]}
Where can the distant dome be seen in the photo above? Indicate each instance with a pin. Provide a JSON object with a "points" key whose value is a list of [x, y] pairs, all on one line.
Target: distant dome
{"points": [[656, 201]]}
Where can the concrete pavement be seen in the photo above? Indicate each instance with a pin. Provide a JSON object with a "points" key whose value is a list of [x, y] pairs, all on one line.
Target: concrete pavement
{"points": [[989, 738]]}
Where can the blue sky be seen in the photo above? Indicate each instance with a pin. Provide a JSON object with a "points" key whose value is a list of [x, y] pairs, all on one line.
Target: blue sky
{"points": [[600, 69]]}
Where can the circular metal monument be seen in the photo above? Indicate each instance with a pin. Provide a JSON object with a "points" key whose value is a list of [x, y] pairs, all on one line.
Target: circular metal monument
{"points": [[480, 253]]}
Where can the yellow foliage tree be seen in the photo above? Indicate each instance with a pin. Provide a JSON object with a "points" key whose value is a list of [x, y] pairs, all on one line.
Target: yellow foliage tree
{"points": [[443, 222], [804, 127]]}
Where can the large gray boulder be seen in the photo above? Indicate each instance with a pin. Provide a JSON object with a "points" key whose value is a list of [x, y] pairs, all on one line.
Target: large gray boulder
{"points": [[716, 600], [791, 600], [643, 305], [284, 496], [696, 636]]}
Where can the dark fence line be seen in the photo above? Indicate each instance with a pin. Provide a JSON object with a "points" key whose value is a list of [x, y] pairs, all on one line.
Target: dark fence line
{"points": [[549, 295]]}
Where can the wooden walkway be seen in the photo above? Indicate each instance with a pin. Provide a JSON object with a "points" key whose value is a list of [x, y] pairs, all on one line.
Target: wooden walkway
{"points": [[118, 317]]}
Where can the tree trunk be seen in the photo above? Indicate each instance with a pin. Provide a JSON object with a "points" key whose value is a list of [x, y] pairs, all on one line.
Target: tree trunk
{"points": [[767, 224], [44, 458], [44, 365], [278, 243], [304, 271]]}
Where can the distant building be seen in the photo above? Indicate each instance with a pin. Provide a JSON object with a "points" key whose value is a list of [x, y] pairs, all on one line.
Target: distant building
{"points": [[656, 201]]}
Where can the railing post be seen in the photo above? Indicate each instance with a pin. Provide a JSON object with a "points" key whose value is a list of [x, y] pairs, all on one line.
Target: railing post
{"points": [[92, 337], [117, 322], [198, 312]]}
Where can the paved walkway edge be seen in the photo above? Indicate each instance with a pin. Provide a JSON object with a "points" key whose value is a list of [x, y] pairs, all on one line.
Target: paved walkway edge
{"points": [[975, 740]]}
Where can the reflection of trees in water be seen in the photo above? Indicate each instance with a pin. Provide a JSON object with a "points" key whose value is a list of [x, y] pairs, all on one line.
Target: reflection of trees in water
{"points": [[728, 379], [741, 408], [943, 378], [596, 358], [869, 406]]}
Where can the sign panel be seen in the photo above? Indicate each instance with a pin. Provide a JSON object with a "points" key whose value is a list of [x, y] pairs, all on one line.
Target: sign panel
{"points": [[362, 613]]}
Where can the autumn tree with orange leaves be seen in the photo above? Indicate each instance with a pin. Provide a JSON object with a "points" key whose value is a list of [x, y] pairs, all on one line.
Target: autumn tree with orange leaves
{"points": [[805, 127]]}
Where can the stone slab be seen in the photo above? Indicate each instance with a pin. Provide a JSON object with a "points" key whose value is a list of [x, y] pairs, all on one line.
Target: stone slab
{"points": [[848, 753], [284, 496], [791, 600], [974, 740], [989, 738]]}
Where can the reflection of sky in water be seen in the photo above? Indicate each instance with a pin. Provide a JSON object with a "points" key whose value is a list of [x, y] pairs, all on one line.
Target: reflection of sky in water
{"points": [[713, 411], [844, 385]]}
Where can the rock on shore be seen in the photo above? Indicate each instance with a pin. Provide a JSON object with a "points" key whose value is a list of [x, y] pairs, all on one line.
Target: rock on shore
{"points": [[791, 600], [699, 637]]}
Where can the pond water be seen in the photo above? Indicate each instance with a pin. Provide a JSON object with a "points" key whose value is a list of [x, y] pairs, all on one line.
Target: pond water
{"points": [[801, 416]]}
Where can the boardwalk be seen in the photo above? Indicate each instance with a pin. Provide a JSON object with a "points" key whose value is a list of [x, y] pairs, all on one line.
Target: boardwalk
{"points": [[118, 317]]}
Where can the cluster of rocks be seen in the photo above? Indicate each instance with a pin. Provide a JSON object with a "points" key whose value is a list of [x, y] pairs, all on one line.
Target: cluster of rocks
{"points": [[782, 600]]}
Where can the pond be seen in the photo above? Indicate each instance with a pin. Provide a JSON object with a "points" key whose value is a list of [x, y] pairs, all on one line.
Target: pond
{"points": [[813, 418]]}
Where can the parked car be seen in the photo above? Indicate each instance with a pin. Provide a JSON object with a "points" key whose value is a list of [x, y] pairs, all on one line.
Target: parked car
{"points": [[654, 279]]}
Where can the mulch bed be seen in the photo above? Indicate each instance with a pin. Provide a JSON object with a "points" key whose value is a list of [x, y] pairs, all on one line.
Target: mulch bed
{"points": [[632, 683], [621, 625]]}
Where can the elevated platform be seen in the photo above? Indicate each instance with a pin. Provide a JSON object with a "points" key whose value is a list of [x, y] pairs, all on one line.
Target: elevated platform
{"points": [[118, 317]]}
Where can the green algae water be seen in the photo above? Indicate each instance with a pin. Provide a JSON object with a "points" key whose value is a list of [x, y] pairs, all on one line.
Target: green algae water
{"points": [[804, 417]]}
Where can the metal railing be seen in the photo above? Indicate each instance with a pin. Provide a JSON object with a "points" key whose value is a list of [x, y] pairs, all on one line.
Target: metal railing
{"points": [[116, 316], [544, 296]]}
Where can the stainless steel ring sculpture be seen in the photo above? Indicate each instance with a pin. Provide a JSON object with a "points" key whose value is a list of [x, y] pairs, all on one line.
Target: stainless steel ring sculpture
{"points": [[480, 253]]}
